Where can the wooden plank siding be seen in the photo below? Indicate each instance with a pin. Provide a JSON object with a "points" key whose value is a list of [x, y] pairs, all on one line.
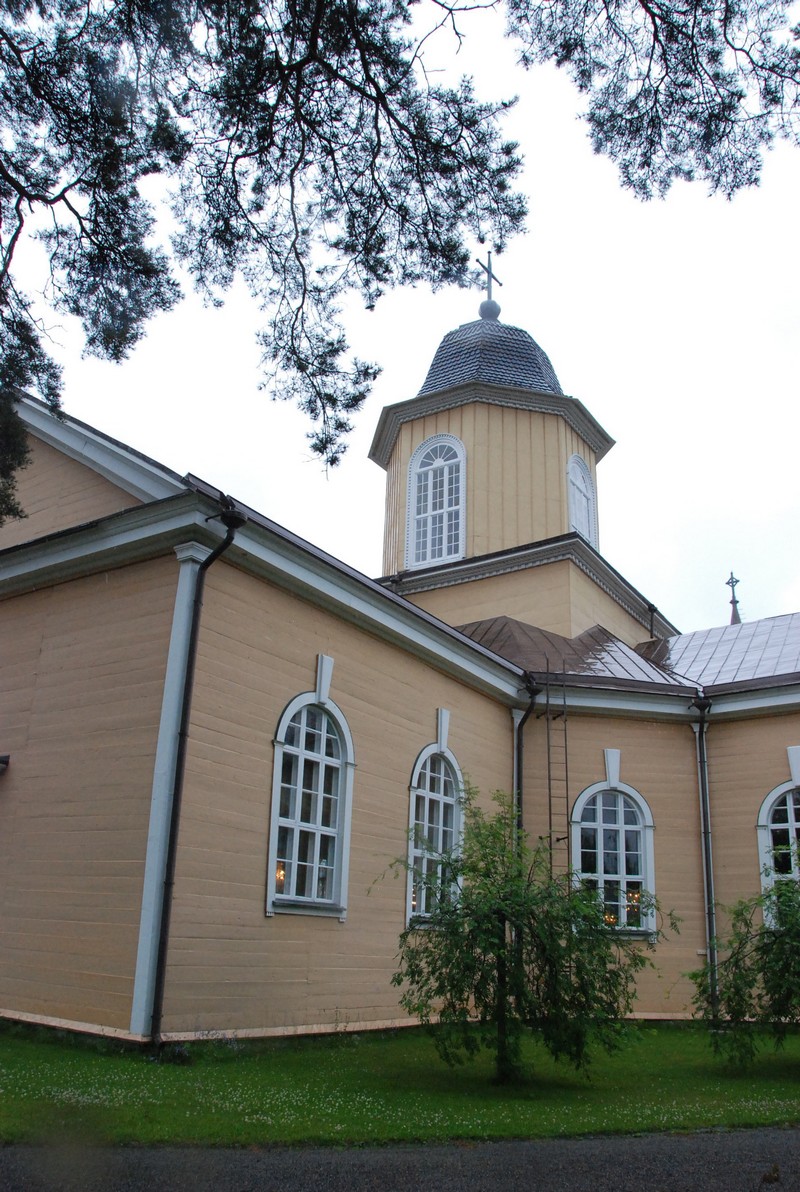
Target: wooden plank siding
{"points": [[80, 705], [557, 597], [57, 492], [589, 605], [538, 595], [746, 760], [516, 476], [659, 761], [230, 966]]}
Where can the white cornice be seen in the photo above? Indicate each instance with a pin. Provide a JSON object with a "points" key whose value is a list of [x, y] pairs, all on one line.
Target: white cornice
{"points": [[261, 548], [570, 409], [143, 478], [264, 549], [362, 602], [661, 703], [570, 548], [658, 704], [762, 701], [134, 534]]}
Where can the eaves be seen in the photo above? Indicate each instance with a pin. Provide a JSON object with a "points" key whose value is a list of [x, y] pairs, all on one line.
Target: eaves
{"points": [[571, 548], [264, 549], [573, 411], [762, 697], [609, 698], [130, 470]]}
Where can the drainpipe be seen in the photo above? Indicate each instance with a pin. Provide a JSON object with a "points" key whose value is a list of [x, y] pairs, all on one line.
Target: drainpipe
{"points": [[520, 720], [700, 728], [233, 520]]}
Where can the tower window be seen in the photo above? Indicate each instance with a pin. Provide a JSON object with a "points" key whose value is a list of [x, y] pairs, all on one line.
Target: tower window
{"points": [[436, 502], [582, 503]]}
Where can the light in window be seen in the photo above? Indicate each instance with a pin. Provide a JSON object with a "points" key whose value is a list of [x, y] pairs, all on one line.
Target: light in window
{"points": [[308, 821], [610, 842]]}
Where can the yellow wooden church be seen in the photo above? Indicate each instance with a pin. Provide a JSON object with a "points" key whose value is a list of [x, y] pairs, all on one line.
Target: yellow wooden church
{"points": [[215, 738]]}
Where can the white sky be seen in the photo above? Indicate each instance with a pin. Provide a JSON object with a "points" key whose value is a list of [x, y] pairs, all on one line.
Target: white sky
{"points": [[674, 322]]}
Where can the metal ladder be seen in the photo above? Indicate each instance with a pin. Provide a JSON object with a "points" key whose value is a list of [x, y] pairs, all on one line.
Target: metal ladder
{"points": [[554, 712]]}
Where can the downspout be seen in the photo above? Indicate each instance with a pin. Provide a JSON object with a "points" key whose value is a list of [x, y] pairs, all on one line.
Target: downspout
{"points": [[700, 728], [520, 720], [233, 520]]}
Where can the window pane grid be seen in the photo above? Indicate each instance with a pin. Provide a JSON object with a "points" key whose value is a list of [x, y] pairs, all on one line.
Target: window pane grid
{"points": [[785, 835], [612, 856], [309, 807], [434, 833], [437, 504]]}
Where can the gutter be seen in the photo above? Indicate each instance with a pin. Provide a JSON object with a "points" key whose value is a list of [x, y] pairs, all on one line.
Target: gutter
{"points": [[233, 520]]}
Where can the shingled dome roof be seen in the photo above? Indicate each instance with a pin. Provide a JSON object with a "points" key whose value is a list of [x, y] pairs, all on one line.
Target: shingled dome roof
{"points": [[493, 353]]}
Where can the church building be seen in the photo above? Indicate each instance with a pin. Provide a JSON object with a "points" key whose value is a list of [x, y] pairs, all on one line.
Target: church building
{"points": [[215, 738]]}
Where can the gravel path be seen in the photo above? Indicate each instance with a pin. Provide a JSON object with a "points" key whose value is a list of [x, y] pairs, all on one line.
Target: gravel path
{"points": [[712, 1161]]}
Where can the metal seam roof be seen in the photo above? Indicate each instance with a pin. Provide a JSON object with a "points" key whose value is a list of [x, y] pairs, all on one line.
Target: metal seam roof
{"points": [[729, 654]]}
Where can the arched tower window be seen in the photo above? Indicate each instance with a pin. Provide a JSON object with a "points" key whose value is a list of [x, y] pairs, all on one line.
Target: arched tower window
{"points": [[436, 499], [582, 501]]}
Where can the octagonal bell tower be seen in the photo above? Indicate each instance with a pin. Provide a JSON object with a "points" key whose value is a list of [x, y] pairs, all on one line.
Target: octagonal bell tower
{"points": [[489, 455]]}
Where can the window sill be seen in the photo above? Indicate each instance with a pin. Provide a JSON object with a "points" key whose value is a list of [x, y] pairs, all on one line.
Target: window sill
{"points": [[637, 933], [432, 564], [302, 906]]}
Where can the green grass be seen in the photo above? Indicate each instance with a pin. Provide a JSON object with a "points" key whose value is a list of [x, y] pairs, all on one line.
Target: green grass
{"points": [[374, 1089]]}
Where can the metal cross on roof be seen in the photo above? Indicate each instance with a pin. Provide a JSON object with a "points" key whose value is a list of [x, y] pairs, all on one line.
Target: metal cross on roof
{"points": [[735, 618], [490, 277]]}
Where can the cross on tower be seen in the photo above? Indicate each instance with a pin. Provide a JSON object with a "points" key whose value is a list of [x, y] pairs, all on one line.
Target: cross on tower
{"points": [[735, 618], [490, 277]]}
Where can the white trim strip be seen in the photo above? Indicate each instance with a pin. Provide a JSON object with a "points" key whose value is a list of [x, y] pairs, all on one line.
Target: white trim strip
{"points": [[442, 728], [324, 677], [190, 556], [793, 753], [612, 759], [143, 478]]}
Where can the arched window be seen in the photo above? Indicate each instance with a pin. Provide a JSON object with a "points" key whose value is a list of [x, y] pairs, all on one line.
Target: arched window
{"points": [[436, 496], [779, 834], [612, 852], [435, 824], [582, 503], [311, 797]]}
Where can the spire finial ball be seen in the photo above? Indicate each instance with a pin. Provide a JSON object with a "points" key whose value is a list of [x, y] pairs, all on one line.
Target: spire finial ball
{"points": [[489, 309]]}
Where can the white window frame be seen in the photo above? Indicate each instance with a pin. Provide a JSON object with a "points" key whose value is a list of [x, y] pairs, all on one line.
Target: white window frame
{"points": [[646, 827], [580, 488], [764, 828], [416, 851], [414, 475], [336, 905]]}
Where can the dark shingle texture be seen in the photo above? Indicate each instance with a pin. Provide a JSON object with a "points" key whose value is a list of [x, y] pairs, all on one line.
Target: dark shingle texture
{"points": [[493, 353]]}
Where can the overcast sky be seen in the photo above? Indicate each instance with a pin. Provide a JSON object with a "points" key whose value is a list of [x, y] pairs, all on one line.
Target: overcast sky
{"points": [[675, 322]]}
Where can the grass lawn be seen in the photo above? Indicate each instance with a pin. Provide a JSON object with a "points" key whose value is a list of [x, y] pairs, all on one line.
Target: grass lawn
{"points": [[374, 1089]]}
